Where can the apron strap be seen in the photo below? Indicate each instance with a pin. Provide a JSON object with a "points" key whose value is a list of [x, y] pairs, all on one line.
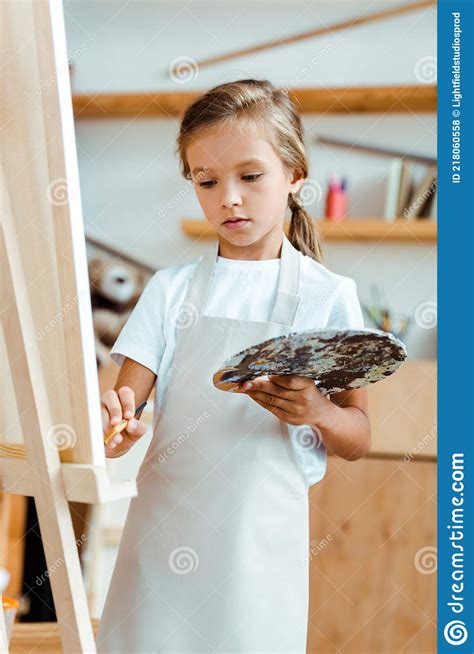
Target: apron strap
{"points": [[287, 300], [200, 283]]}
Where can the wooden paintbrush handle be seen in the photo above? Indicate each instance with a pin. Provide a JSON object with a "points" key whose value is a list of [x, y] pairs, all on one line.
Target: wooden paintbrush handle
{"points": [[115, 430]]}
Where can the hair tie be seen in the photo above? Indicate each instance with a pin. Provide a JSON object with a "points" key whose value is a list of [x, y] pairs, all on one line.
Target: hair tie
{"points": [[295, 204]]}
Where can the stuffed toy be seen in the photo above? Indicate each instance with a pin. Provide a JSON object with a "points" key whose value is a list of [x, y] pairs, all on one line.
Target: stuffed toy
{"points": [[115, 288]]}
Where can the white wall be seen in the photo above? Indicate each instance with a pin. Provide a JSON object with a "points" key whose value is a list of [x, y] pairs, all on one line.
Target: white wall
{"points": [[133, 194]]}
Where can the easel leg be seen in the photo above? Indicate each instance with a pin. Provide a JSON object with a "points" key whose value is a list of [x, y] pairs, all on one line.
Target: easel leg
{"points": [[3, 633], [54, 516]]}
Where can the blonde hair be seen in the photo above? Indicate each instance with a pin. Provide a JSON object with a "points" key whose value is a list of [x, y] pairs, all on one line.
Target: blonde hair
{"points": [[257, 101]]}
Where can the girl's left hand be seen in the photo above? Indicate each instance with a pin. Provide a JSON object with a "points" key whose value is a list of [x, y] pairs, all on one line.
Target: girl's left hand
{"points": [[293, 399]]}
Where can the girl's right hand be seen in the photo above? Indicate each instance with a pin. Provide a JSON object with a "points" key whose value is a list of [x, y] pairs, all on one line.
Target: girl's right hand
{"points": [[115, 406]]}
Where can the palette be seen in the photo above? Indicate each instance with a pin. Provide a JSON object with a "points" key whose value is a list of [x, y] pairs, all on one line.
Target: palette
{"points": [[337, 359]]}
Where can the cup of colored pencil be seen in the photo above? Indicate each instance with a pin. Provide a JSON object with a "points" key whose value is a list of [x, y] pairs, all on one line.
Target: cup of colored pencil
{"points": [[10, 608]]}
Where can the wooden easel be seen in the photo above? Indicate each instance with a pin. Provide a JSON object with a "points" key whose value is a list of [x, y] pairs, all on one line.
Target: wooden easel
{"points": [[55, 450]]}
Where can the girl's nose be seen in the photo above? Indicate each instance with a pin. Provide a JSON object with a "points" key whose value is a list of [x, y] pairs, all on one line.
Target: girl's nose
{"points": [[231, 197]]}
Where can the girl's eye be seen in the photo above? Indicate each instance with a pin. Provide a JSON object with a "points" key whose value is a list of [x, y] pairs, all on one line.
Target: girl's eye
{"points": [[248, 178]]}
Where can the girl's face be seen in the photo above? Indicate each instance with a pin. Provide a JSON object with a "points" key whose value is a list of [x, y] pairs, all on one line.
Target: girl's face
{"points": [[237, 174]]}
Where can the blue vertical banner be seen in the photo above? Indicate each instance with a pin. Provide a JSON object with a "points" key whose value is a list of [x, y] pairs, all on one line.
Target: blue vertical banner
{"points": [[455, 326]]}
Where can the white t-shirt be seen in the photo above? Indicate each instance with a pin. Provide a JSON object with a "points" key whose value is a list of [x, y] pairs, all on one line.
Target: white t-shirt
{"points": [[244, 290]]}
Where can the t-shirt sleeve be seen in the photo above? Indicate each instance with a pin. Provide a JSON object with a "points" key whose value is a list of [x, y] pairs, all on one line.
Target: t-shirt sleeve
{"points": [[142, 337], [346, 312]]}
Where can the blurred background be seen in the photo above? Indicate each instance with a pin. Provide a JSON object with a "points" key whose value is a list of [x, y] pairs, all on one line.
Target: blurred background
{"points": [[364, 77], [134, 198]]}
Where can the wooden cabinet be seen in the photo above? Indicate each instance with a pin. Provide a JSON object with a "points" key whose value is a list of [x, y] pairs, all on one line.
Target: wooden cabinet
{"points": [[372, 560], [373, 529]]}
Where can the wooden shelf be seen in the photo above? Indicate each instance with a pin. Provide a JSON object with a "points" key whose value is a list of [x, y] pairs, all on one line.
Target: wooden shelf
{"points": [[364, 99], [40, 637], [351, 229]]}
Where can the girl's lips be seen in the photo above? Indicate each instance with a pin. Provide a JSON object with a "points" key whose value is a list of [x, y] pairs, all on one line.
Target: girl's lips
{"points": [[235, 224]]}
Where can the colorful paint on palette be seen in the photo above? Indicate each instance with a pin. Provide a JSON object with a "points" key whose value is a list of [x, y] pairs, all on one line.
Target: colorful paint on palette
{"points": [[337, 359]]}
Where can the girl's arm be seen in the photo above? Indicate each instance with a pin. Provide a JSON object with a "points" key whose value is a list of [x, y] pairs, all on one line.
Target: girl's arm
{"points": [[133, 386], [140, 378], [345, 425]]}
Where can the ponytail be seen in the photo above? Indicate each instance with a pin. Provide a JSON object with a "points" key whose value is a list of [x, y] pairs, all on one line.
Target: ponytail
{"points": [[303, 234]]}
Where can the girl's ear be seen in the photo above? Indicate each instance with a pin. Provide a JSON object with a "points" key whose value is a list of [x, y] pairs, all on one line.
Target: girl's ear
{"points": [[297, 181]]}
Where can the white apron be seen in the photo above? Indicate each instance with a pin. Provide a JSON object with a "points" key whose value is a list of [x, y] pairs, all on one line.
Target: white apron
{"points": [[214, 553]]}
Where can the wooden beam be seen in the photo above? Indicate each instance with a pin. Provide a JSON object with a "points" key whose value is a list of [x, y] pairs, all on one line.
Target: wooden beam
{"points": [[104, 105], [319, 31], [366, 99], [350, 229], [82, 482], [345, 100]]}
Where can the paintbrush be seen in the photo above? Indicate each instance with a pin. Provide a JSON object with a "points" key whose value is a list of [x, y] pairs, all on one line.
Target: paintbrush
{"points": [[120, 426]]}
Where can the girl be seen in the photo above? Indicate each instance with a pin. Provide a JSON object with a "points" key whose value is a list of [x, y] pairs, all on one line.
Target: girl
{"points": [[214, 553]]}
